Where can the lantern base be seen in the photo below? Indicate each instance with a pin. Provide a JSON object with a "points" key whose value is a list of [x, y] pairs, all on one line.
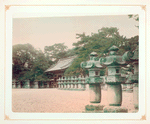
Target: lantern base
{"points": [[115, 109], [114, 104], [94, 108]]}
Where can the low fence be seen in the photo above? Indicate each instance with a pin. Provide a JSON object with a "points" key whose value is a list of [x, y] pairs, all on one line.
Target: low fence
{"points": [[67, 83], [28, 84], [72, 83]]}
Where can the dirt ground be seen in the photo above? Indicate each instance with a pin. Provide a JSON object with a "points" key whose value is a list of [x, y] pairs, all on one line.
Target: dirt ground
{"points": [[58, 101]]}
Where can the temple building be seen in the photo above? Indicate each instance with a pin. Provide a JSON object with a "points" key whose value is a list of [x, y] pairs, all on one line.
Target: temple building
{"points": [[58, 70]]}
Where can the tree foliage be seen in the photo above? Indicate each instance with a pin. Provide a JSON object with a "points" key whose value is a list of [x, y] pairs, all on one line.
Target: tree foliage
{"points": [[41, 63], [135, 17], [56, 51], [23, 58], [98, 42], [29, 63]]}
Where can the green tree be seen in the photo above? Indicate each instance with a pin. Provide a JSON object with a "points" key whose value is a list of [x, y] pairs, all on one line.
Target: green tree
{"points": [[56, 51], [40, 64], [29, 63], [98, 42], [23, 58], [135, 17]]}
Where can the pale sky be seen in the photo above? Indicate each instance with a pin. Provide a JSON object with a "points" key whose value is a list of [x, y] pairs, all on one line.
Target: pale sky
{"points": [[41, 32]]}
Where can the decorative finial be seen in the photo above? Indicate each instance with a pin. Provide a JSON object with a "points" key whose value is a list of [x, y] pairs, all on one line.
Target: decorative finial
{"points": [[113, 48]]}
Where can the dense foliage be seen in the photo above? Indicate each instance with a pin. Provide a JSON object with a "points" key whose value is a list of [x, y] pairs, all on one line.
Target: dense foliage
{"points": [[57, 51], [99, 42], [23, 59], [29, 63]]}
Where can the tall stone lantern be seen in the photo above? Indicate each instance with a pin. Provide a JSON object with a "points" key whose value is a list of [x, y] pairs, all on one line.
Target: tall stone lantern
{"points": [[134, 77], [114, 62], [94, 79]]}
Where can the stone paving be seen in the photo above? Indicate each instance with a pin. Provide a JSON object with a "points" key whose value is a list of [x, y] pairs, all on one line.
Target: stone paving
{"points": [[58, 101]]}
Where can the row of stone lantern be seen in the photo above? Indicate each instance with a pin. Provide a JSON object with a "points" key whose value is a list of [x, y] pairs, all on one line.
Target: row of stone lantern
{"points": [[26, 84], [134, 78], [72, 83], [113, 62], [17, 84]]}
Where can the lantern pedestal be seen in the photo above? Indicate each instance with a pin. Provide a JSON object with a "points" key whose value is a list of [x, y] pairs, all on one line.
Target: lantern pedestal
{"points": [[87, 87], [136, 96], [114, 95], [82, 86], [67, 88], [36, 85], [18, 85], [27, 84], [60, 86], [71, 86], [95, 93], [13, 85], [76, 86], [79, 86], [64, 87], [47, 85]]}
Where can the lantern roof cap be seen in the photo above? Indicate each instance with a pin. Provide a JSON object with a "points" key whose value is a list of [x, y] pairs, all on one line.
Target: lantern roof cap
{"points": [[113, 59], [113, 48], [92, 63], [93, 54]]}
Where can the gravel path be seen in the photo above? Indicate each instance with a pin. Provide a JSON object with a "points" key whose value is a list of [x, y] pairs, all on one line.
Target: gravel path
{"points": [[58, 101]]}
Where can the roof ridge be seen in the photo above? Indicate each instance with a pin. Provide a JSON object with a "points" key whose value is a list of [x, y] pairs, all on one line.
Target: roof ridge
{"points": [[67, 58], [67, 64]]}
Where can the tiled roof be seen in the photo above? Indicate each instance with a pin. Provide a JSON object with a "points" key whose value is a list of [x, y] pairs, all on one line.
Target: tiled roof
{"points": [[61, 64]]}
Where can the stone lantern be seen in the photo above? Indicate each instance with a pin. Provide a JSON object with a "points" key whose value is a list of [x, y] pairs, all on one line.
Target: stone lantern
{"points": [[26, 84], [134, 77], [18, 84], [80, 82], [69, 83], [13, 84], [62, 83], [114, 63], [65, 83], [59, 84], [94, 79], [76, 83], [71, 80]]}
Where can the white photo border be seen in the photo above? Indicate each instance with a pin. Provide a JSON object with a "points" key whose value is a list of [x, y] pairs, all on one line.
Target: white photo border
{"points": [[53, 11]]}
